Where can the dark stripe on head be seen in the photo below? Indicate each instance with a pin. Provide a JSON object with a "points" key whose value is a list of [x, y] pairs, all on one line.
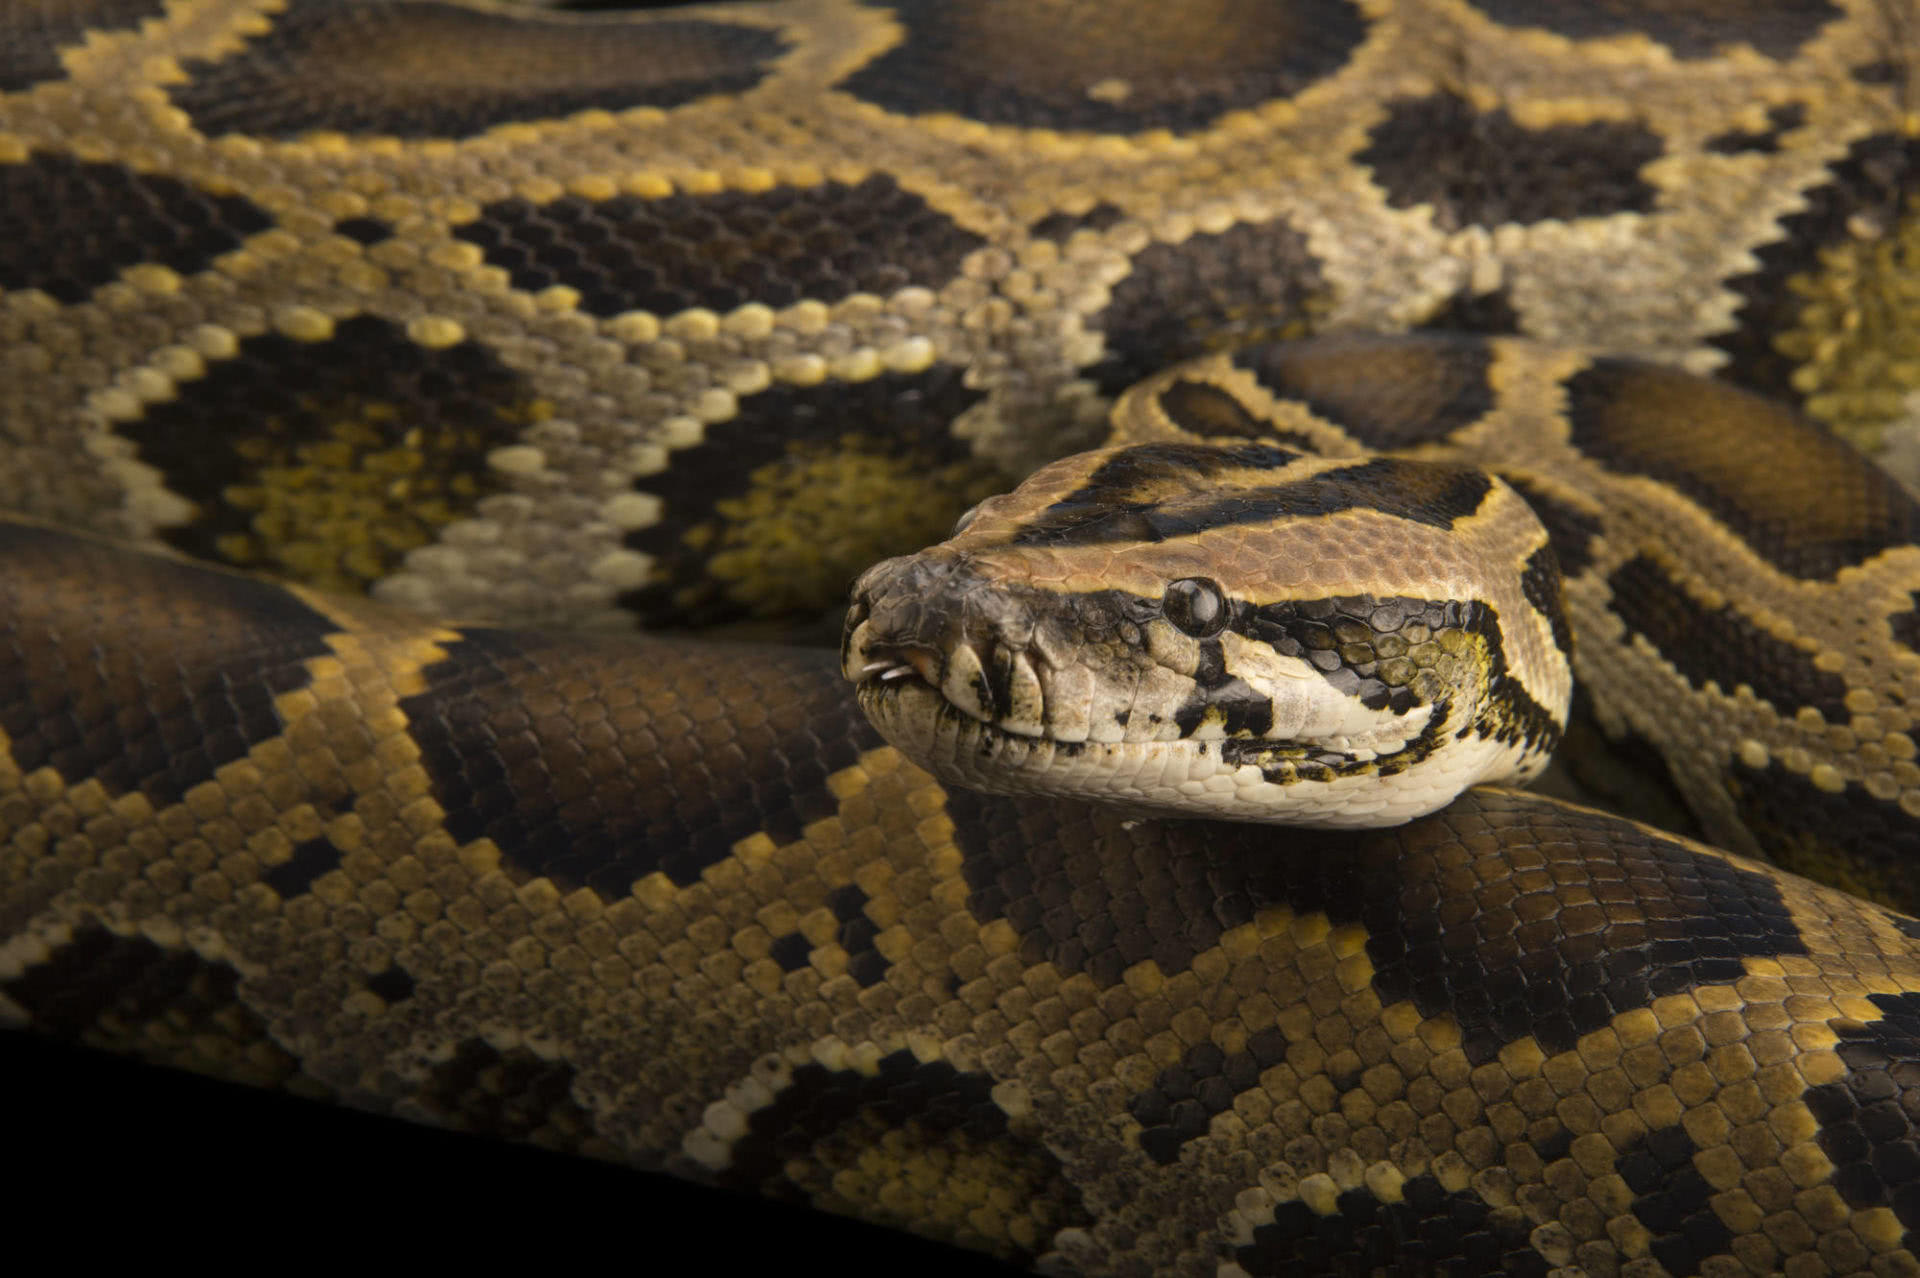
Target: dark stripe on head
{"points": [[1147, 463], [1803, 500], [1423, 493], [1720, 645], [1384, 392], [1283, 764]]}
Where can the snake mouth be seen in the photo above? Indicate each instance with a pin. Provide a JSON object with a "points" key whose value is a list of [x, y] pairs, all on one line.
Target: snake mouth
{"points": [[982, 716], [977, 649], [888, 665], [984, 690], [1145, 778]]}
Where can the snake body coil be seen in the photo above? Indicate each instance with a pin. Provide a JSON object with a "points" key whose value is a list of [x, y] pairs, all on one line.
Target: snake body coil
{"points": [[690, 317]]}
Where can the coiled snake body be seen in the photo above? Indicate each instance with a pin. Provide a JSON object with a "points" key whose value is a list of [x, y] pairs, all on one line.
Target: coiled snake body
{"points": [[684, 318]]}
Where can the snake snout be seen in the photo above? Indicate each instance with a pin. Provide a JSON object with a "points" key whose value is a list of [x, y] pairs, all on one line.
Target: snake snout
{"points": [[938, 618]]}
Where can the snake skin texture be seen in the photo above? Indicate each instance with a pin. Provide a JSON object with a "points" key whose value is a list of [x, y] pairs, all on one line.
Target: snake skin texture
{"points": [[695, 913], [694, 315], [679, 319]]}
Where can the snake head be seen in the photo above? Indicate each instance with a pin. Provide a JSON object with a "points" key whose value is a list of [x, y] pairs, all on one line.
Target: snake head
{"points": [[1237, 630]]}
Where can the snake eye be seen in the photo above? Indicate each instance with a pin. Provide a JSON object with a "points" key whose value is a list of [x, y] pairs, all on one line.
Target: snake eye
{"points": [[1196, 605]]}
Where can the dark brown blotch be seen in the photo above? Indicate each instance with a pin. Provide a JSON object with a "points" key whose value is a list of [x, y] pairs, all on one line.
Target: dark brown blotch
{"points": [[1492, 314], [140, 673], [1138, 65], [509, 1095], [1696, 29], [109, 218], [1483, 168], [128, 995], [1804, 500], [1867, 1116], [1849, 839], [930, 1117], [597, 763], [419, 70], [1905, 624], [1257, 282], [33, 32], [1781, 120], [779, 438], [721, 251], [289, 450], [1720, 645], [1384, 392], [1673, 1200], [1115, 506], [1870, 187], [1454, 1231], [1629, 915], [1540, 586], [1059, 227], [308, 860], [1571, 531]]}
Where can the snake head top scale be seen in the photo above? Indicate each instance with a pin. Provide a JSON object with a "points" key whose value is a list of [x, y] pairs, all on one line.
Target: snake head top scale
{"points": [[1235, 630]]}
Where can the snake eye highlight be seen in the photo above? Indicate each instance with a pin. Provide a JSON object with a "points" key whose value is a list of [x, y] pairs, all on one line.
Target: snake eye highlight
{"points": [[1196, 605]]}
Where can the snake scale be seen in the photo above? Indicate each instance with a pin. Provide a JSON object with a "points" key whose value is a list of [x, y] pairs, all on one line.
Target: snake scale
{"points": [[557, 324]]}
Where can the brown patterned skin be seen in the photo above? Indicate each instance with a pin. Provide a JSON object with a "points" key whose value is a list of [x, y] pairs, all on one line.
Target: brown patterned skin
{"points": [[581, 318], [578, 319], [762, 950]]}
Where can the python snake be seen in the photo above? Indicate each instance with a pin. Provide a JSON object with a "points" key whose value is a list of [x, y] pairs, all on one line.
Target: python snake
{"points": [[684, 318]]}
